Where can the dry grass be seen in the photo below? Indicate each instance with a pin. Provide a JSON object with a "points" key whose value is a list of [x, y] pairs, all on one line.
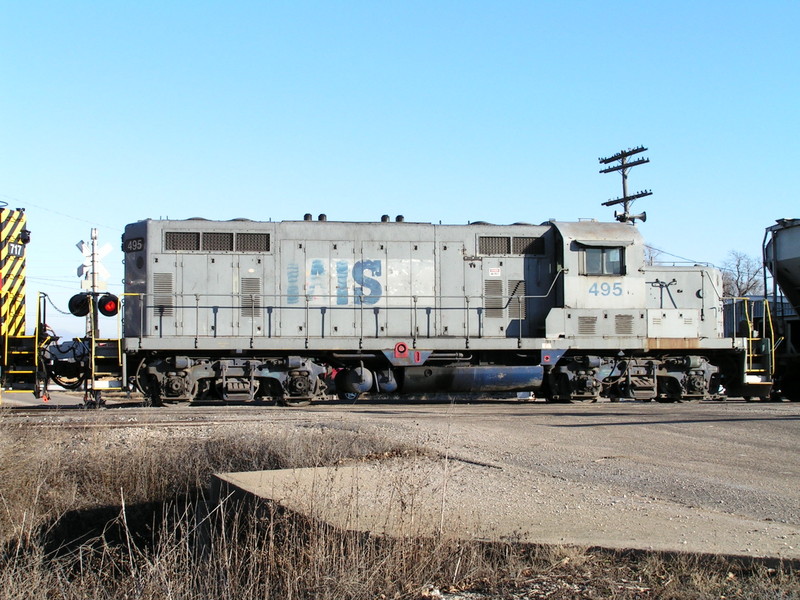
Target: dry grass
{"points": [[93, 514]]}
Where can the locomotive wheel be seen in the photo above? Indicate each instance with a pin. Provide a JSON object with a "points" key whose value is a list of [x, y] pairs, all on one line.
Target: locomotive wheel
{"points": [[145, 386], [139, 379], [349, 396], [152, 398]]}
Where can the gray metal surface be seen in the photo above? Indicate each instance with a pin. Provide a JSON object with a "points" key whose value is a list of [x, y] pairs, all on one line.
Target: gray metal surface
{"points": [[782, 256], [335, 285]]}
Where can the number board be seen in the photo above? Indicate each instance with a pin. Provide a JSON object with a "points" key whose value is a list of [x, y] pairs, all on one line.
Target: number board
{"points": [[134, 245]]}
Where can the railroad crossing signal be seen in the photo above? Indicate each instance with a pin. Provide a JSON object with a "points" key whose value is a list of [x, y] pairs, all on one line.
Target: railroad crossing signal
{"points": [[80, 305], [94, 276], [92, 271]]}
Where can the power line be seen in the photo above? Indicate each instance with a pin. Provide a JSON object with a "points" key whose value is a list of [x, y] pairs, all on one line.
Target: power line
{"points": [[27, 203], [697, 262]]}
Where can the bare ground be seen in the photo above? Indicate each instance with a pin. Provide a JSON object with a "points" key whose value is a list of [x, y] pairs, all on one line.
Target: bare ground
{"points": [[701, 477]]}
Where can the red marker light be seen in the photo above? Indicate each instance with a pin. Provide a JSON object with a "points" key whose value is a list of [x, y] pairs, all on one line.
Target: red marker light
{"points": [[108, 305]]}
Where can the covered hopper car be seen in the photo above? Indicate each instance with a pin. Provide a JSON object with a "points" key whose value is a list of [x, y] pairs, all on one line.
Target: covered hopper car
{"points": [[781, 251]]}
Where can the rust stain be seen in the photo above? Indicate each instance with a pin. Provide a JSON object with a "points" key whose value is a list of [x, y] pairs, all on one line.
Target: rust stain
{"points": [[672, 343]]}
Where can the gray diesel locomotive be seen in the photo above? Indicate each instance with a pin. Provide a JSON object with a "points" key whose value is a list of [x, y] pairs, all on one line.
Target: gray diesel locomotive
{"points": [[245, 311]]}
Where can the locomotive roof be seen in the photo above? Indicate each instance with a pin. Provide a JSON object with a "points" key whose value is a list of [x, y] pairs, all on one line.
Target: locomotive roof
{"points": [[595, 232], [588, 232]]}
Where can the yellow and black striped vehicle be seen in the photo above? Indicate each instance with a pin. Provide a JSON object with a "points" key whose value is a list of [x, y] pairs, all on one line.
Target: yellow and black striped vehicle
{"points": [[19, 351]]}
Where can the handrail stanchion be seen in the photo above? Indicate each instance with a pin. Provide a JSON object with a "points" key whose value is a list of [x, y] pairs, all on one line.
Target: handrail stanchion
{"points": [[466, 320]]}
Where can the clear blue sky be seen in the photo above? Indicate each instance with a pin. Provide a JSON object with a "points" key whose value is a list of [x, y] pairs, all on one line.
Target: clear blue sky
{"points": [[112, 112]]}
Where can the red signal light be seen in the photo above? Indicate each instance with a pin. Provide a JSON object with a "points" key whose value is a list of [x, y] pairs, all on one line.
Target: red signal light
{"points": [[108, 305]]}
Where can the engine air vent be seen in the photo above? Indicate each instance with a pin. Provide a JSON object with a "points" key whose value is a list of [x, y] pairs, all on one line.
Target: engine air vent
{"points": [[587, 325], [516, 301], [181, 240], [251, 296], [623, 324], [493, 298], [488, 244], [528, 245], [252, 242], [163, 295], [217, 241]]}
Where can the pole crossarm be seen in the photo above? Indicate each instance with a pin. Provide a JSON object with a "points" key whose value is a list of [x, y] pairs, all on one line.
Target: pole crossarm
{"points": [[622, 154], [630, 198], [623, 167], [626, 165]]}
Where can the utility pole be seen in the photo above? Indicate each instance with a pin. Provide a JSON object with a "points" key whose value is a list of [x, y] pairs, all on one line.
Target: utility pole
{"points": [[91, 270], [95, 326], [623, 167]]}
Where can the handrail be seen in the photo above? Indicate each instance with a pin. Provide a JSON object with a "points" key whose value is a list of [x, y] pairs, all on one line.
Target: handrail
{"points": [[771, 337], [757, 346], [265, 315], [469, 305]]}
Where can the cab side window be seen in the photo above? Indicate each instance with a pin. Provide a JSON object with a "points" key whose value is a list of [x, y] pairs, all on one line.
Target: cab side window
{"points": [[603, 261]]}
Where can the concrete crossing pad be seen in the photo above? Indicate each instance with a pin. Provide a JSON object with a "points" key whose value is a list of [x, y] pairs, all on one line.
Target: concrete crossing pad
{"points": [[424, 496]]}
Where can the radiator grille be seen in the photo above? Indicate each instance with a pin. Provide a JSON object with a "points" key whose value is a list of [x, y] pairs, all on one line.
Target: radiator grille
{"points": [[181, 240], [517, 304], [528, 245], [623, 324], [493, 298], [163, 298], [252, 242], [587, 325], [494, 245], [217, 241], [251, 296]]}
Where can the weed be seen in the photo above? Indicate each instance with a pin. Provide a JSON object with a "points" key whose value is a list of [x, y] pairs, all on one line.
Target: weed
{"points": [[113, 514]]}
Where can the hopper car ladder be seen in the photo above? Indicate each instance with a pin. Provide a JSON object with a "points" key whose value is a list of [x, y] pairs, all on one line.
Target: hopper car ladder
{"points": [[759, 360]]}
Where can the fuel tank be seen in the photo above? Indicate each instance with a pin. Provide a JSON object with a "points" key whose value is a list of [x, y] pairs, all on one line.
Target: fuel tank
{"points": [[480, 378]]}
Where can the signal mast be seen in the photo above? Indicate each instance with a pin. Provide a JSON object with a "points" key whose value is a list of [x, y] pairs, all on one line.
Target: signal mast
{"points": [[624, 165]]}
